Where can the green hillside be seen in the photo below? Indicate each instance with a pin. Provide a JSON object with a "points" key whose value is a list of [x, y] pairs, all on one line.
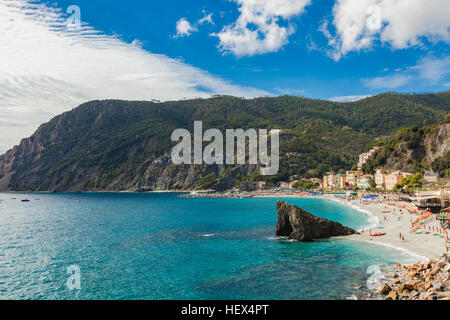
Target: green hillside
{"points": [[123, 145]]}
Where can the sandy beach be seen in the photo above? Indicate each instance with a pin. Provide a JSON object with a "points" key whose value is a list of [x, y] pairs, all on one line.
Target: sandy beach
{"points": [[393, 221]]}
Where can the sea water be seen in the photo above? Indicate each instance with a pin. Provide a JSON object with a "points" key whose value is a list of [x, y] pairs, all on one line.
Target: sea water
{"points": [[161, 246]]}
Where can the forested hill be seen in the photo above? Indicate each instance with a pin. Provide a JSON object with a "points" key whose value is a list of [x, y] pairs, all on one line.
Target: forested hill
{"points": [[425, 149], [122, 145]]}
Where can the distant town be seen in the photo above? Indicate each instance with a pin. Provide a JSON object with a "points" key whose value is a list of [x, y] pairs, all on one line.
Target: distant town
{"points": [[356, 180]]}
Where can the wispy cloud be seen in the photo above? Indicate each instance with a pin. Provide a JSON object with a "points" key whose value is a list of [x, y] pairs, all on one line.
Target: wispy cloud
{"points": [[46, 68], [429, 71], [388, 82], [206, 19]]}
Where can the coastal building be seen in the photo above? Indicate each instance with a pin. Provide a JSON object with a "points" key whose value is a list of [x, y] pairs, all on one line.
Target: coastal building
{"points": [[261, 185], [395, 178], [334, 181], [364, 182], [380, 178], [284, 185], [340, 181], [352, 178], [363, 157], [328, 181], [434, 200]]}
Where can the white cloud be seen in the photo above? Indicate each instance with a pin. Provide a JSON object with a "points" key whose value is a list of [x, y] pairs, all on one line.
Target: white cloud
{"points": [[184, 28], [206, 19], [433, 70], [348, 98], [429, 71], [400, 23], [388, 82], [257, 29], [46, 69]]}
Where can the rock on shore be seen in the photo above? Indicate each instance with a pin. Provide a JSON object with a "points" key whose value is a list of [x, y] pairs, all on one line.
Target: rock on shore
{"points": [[420, 281], [299, 225]]}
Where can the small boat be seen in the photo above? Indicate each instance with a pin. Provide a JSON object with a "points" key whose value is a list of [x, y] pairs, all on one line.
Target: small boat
{"points": [[377, 234], [25, 200]]}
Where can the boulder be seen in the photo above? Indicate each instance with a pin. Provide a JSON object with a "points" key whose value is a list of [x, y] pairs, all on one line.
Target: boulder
{"points": [[400, 288], [392, 296], [438, 285], [412, 285], [297, 224], [384, 289]]}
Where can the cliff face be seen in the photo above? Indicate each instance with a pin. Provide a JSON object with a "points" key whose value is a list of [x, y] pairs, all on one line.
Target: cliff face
{"points": [[299, 225], [414, 149], [108, 146], [121, 145]]}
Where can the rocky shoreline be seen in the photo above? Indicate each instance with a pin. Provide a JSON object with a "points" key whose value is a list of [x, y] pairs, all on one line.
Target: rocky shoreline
{"points": [[420, 281]]}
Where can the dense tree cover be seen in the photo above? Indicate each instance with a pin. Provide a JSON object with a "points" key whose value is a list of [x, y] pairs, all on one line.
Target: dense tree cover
{"points": [[413, 182], [442, 165], [304, 185], [111, 141], [410, 183]]}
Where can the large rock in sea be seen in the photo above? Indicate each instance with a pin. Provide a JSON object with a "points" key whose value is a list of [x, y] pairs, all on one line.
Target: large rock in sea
{"points": [[297, 224]]}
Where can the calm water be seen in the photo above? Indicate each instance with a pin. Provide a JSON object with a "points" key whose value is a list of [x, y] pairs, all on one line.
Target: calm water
{"points": [[158, 246]]}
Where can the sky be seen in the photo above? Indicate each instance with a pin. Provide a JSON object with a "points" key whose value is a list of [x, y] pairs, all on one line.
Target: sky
{"points": [[55, 55]]}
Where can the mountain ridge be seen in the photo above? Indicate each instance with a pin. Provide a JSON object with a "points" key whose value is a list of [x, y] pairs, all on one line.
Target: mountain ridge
{"points": [[114, 145]]}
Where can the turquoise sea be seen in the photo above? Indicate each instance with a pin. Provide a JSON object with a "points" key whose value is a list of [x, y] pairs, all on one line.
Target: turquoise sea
{"points": [[160, 246]]}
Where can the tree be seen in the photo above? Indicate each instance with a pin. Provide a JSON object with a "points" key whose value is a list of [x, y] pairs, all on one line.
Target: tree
{"points": [[413, 182], [372, 183]]}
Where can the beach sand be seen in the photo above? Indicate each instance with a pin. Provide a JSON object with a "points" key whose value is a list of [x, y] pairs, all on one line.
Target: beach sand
{"points": [[425, 245]]}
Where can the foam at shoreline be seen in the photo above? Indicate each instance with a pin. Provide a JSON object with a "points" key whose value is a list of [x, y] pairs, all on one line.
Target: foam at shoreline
{"points": [[397, 248], [372, 220]]}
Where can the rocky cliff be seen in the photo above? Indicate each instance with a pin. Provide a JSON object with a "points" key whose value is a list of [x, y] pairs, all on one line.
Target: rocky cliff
{"points": [[415, 149], [297, 224]]}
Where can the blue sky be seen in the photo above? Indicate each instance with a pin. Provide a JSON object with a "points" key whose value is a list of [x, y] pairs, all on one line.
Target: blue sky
{"points": [[342, 50], [293, 69]]}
